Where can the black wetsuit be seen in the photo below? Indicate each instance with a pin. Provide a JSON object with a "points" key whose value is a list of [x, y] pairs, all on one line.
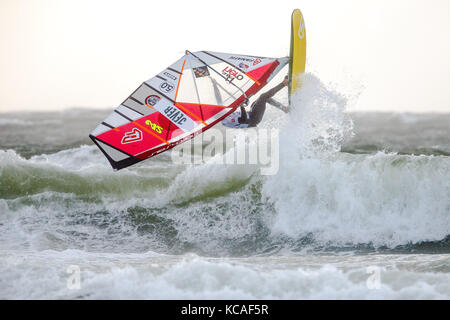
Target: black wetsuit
{"points": [[259, 107]]}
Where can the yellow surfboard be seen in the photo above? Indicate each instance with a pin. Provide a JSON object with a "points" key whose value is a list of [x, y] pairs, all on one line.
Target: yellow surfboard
{"points": [[297, 61]]}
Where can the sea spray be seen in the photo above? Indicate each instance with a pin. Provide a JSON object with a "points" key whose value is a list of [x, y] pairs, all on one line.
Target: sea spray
{"points": [[341, 199]]}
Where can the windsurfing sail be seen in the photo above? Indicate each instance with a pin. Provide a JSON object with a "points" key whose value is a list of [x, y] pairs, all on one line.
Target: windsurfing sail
{"points": [[183, 100]]}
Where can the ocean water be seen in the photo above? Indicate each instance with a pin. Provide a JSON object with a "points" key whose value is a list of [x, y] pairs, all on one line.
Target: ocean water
{"points": [[359, 209]]}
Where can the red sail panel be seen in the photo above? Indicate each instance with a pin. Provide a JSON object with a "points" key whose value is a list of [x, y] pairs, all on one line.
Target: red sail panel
{"points": [[202, 111], [261, 71], [140, 135]]}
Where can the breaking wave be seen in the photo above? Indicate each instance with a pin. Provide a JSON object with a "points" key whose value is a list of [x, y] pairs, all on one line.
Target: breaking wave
{"points": [[321, 199]]}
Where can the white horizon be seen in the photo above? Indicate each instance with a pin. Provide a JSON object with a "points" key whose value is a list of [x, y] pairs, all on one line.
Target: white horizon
{"points": [[64, 54]]}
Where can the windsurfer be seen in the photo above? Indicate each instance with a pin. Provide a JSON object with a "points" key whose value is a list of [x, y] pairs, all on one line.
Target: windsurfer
{"points": [[254, 117]]}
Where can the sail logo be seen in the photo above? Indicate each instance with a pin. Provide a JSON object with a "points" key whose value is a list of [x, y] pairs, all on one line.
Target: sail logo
{"points": [[169, 75], [254, 61], [301, 29], [242, 59], [175, 115], [257, 61], [134, 135], [201, 72], [152, 100], [154, 126], [243, 65], [232, 74]]}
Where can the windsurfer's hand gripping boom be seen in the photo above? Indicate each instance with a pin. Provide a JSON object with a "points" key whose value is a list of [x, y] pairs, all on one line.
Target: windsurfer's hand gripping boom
{"points": [[243, 119], [277, 104], [259, 106]]}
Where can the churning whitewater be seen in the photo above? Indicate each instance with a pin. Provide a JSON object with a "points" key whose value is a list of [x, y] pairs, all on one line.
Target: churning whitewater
{"points": [[354, 192]]}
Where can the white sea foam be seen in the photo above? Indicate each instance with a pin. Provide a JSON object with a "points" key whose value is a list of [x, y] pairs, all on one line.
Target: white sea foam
{"points": [[384, 199], [149, 276]]}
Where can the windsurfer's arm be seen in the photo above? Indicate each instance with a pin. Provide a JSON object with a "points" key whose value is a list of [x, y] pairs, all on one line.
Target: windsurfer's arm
{"points": [[267, 96], [278, 105]]}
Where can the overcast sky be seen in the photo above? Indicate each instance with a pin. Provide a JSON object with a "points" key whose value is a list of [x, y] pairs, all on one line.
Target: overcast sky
{"points": [[93, 53]]}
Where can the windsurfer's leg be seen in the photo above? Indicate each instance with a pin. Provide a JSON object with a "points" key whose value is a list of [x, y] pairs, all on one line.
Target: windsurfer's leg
{"points": [[259, 106], [269, 94], [257, 112], [243, 118]]}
